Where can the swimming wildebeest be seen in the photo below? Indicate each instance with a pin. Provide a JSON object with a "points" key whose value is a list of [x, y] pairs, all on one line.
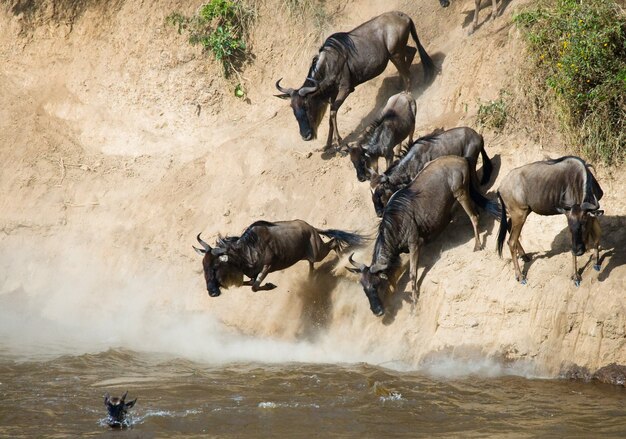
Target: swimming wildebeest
{"points": [[414, 216], [265, 247], [117, 409], [462, 141], [561, 186], [494, 11], [395, 123], [347, 59]]}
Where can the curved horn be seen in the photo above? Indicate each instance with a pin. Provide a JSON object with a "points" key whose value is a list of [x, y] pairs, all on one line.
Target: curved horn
{"points": [[285, 91], [124, 397], [303, 91], [376, 268], [218, 251], [358, 265], [204, 245]]}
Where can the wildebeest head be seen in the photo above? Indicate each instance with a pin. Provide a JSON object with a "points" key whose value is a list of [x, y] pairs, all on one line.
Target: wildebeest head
{"points": [[217, 271], [381, 193], [360, 159], [308, 106], [578, 217], [117, 409], [375, 283], [444, 3]]}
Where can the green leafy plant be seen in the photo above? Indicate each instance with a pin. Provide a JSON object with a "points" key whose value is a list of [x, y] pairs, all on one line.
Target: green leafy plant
{"points": [[220, 27], [579, 50], [493, 114]]}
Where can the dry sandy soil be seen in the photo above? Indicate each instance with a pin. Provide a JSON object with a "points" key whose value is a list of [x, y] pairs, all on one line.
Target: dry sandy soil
{"points": [[119, 142]]}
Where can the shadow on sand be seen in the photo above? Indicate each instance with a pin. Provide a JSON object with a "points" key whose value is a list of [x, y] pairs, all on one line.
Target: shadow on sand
{"points": [[611, 248]]}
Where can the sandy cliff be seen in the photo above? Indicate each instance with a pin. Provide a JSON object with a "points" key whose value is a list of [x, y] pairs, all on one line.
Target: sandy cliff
{"points": [[119, 143]]}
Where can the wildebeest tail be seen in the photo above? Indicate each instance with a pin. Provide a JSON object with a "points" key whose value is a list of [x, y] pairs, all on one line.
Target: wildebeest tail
{"points": [[427, 62], [345, 240], [503, 226], [489, 206], [487, 166]]}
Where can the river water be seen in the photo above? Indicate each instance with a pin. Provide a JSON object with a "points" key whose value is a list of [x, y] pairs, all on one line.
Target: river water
{"points": [[62, 397]]}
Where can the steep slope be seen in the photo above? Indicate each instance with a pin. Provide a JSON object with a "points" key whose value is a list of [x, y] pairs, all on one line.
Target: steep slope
{"points": [[120, 143]]}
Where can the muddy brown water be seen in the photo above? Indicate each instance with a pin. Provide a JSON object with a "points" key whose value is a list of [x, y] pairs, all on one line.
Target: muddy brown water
{"points": [[62, 397]]}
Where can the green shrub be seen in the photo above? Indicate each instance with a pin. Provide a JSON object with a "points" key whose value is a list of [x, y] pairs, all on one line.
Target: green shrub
{"points": [[493, 114], [220, 27], [579, 50]]}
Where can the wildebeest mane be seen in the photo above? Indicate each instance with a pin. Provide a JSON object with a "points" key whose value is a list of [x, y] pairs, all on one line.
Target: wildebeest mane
{"points": [[248, 238], [342, 42], [390, 226], [404, 151]]}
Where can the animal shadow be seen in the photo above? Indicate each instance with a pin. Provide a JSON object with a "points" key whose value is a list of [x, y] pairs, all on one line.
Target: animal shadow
{"points": [[315, 293], [484, 4], [611, 247]]}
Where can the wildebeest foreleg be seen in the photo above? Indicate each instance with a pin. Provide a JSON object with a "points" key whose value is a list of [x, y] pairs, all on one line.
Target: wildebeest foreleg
{"points": [[333, 130], [576, 276], [414, 256], [464, 200], [256, 286], [594, 240]]}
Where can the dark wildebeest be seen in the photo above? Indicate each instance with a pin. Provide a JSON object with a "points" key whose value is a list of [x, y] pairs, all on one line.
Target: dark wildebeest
{"points": [[494, 11], [347, 59], [395, 123], [265, 247], [560, 186], [462, 141], [416, 215], [117, 409]]}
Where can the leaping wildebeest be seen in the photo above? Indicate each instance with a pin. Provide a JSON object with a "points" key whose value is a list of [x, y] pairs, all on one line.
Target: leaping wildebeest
{"points": [[494, 11], [461, 141], [414, 216], [395, 123], [265, 247], [560, 186], [347, 59]]}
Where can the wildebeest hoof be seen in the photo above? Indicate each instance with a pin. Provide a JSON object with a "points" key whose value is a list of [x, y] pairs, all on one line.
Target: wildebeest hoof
{"points": [[576, 282], [478, 247], [522, 280], [596, 267]]}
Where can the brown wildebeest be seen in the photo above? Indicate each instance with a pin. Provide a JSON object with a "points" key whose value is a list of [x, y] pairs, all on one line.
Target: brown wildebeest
{"points": [[461, 141], [117, 408], [265, 247], [494, 11], [560, 186], [416, 215], [395, 123], [347, 59]]}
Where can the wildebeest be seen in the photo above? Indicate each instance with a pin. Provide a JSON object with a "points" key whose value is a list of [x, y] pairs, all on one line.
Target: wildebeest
{"points": [[461, 141], [395, 123], [416, 215], [494, 11], [560, 186], [265, 247], [347, 59], [117, 409]]}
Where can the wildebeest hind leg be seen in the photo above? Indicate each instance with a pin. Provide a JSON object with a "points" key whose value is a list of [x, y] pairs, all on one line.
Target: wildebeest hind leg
{"points": [[517, 222], [466, 203], [399, 60]]}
